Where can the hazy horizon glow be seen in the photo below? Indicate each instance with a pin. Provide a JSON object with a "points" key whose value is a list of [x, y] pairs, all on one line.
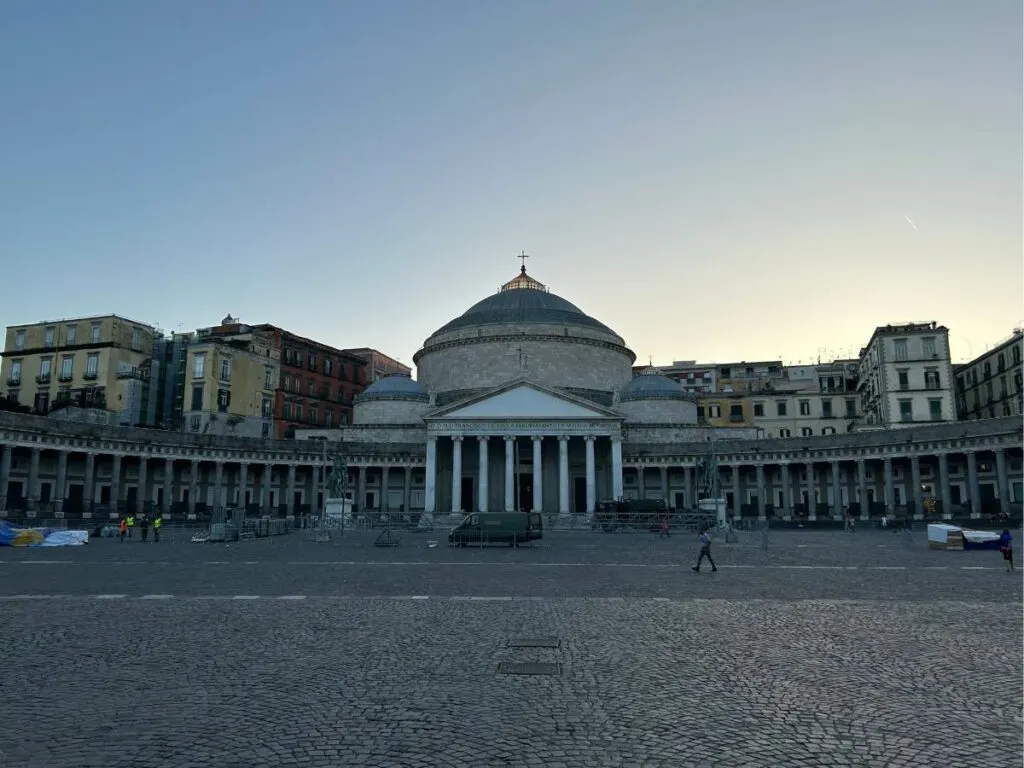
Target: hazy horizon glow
{"points": [[718, 181]]}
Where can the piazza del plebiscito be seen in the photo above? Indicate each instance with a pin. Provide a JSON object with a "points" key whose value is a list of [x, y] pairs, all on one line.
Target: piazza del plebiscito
{"points": [[522, 402]]}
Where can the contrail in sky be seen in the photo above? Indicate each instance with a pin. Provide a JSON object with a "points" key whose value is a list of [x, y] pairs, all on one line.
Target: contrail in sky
{"points": [[911, 223]]}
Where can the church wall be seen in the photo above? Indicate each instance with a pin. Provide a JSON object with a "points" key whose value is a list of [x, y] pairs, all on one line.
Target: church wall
{"points": [[550, 362], [516, 329], [389, 412], [659, 411], [399, 433], [669, 433]]}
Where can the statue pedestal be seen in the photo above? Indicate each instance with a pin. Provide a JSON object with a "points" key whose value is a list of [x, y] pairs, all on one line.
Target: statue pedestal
{"points": [[338, 509]]}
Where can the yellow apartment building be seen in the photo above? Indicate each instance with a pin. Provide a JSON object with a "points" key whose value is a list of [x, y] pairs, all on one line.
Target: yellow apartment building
{"points": [[100, 361], [725, 409], [231, 372]]}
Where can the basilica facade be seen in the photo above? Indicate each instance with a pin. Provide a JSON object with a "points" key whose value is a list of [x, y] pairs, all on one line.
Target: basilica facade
{"points": [[523, 402]]}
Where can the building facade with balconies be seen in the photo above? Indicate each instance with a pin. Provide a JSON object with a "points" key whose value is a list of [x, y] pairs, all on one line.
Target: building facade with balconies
{"points": [[992, 385], [810, 400], [99, 363], [378, 364], [695, 378], [905, 376]]}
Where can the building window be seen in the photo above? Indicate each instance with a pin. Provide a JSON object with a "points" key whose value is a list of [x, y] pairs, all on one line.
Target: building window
{"points": [[72, 334], [900, 348], [12, 395], [988, 369], [735, 413], [67, 366], [45, 368], [136, 339], [806, 431], [268, 377], [15, 375], [194, 423], [714, 411], [928, 347], [851, 408], [328, 366], [265, 430], [312, 362], [1000, 362], [784, 433], [197, 398], [780, 408], [758, 410], [312, 414], [223, 400], [906, 410], [94, 333], [1016, 354], [19, 339], [904, 377], [700, 413], [298, 412], [826, 409], [935, 410], [805, 407], [266, 407], [311, 388], [225, 369], [328, 418], [48, 337], [92, 366], [828, 430], [287, 410], [931, 380], [199, 365]]}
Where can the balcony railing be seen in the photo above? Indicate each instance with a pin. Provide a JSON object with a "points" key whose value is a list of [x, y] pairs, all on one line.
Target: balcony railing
{"points": [[65, 377], [13, 381], [43, 378], [90, 375]]}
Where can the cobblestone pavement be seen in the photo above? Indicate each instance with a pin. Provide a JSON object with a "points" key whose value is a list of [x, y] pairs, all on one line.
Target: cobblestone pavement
{"points": [[286, 652]]}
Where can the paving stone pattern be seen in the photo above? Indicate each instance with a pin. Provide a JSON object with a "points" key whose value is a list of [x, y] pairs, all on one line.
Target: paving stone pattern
{"points": [[701, 673]]}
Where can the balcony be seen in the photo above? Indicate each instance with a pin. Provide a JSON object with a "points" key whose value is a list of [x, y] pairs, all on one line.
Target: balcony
{"points": [[14, 381], [736, 418], [90, 375], [65, 377], [43, 378]]}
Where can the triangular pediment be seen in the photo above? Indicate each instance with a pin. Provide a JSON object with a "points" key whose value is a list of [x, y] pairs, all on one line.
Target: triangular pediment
{"points": [[524, 402]]}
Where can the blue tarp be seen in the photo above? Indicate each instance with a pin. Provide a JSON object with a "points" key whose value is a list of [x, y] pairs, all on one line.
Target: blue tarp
{"points": [[17, 536]]}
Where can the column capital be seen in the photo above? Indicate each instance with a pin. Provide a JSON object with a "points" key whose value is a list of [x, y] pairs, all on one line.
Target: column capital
{"points": [[590, 438], [536, 438], [483, 438], [563, 438], [457, 438], [509, 438], [432, 439]]}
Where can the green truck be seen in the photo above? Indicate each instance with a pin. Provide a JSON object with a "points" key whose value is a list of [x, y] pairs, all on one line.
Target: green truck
{"points": [[512, 528]]}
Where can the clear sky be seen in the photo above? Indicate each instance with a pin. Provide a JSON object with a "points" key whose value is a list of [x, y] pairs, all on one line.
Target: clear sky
{"points": [[714, 179]]}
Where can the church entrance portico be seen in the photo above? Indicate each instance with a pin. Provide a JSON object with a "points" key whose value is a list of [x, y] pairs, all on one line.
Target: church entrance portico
{"points": [[523, 448]]}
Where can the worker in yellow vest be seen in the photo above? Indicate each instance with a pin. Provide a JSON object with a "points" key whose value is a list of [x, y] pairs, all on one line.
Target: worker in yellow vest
{"points": [[130, 521], [157, 524]]}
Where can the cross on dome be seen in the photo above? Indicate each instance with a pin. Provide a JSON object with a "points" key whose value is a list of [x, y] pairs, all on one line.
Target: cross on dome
{"points": [[523, 281]]}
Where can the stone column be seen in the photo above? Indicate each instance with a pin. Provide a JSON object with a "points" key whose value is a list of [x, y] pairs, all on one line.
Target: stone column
{"points": [[862, 486], [837, 491], [1002, 480], [762, 512], [60, 486], [140, 496], [385, 482], [193, 487], [218, 489], [429, 479], [5, 474], [457, 475], [641, 481], [787, 492], [617, 467], [88, 492], [973, 491], [691, 501], [812, 509], [663, 471], [407, 490], [115, 483], [33, 480], [563, 475], [510, 499], [946, 494], [243, 485], [591, 474], [265, 489], [737, 500], [538, 473], [890, 493], [483, 482], [168, 485], [915, 481], [361, 491]]}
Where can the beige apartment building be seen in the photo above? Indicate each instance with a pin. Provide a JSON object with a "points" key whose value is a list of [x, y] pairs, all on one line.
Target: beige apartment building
{"points": [[101, 361]]}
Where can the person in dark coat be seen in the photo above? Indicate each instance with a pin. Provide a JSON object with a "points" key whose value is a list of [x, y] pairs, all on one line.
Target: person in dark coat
{"points": [[1006, 547]]}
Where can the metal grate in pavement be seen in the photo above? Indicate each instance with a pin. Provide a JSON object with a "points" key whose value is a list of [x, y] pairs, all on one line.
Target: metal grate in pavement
{"points": [[534, 642], [528, 668]]}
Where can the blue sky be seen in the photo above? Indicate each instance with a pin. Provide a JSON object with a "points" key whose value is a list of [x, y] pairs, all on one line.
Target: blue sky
{"points": [[714, 179]]}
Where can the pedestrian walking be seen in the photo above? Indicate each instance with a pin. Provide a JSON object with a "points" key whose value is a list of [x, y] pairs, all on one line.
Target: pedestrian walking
{"points": [[157, 525], [144, 525], [705, 551], [663, 532], [122, 528], [130, 521], [1006, 547]]}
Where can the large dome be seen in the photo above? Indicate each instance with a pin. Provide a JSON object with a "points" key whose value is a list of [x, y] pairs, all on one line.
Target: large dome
{"points": [[524, 300], [524, 331]]}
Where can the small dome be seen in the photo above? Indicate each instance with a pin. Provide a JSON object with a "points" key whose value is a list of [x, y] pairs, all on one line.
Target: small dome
{"points": [[650, 384], [394, 388]]}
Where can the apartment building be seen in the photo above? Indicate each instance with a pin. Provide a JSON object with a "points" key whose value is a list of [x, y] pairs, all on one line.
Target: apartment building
{"points": [[99, 363], [725, 409], [819, 399], [747, 377], [905, 376], [231, 376], [991, 385], [317, 383], [378, 364], [695, 378]]}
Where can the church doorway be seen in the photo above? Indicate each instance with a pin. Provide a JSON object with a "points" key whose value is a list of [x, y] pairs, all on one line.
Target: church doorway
{"points": [[468, 495], [579, 495], [524, 503]]}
